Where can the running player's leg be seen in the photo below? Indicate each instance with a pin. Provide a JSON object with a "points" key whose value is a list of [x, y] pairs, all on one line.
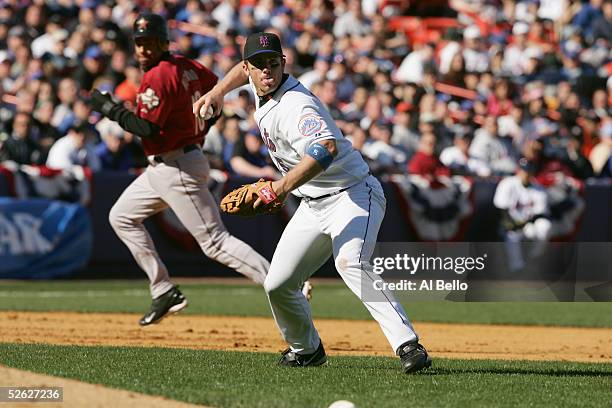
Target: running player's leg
{"points": [[538, 231], [138, 202], [353, 224], [514, 250], [301, 251], [197, 210]]}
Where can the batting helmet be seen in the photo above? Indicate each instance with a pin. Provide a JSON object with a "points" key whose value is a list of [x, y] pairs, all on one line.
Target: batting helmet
{"points": [[151, 25]]}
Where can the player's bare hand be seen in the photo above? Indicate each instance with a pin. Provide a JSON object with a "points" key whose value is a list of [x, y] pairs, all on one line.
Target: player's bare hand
{"points": [[209, 105]]}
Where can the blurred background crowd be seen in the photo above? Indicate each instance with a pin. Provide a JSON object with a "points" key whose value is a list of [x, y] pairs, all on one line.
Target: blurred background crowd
{"points": [[434, 87]]}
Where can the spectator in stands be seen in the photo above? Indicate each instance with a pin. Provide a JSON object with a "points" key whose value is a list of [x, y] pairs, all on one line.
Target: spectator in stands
{"points": [[354, 110], [34, 20], [214, 144], [82, 113], [515, 54], [602, 26], [250, 157], [18, 146], [305, 53], [511, 125], [412, 67], [282, 20], [474, 51], [587, 15], [352, 22], [455, 73], [48, 42], [573, 158], [343, 80], [601, 153], [373, 112], [232, 134], [242, 106], [112, 150], [601, 109], [569, 109], [499, 102], [63, 116], [74, 149], [327, 93], [488, 148], [457, 158], [127, 90], [117, 65], [383, 157], [92, 67], [47, 133], [317, 74], [248, 23], [403, 135], [425, 162]]}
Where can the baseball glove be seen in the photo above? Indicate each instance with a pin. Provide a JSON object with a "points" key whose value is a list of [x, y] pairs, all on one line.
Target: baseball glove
{"points": [[241, 200]]}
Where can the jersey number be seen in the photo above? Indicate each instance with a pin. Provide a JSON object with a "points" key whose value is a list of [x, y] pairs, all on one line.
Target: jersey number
{"points": [[200, 123]]}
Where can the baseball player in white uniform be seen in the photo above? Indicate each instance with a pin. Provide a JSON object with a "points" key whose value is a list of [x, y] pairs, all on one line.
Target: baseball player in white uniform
{"points": [[524, 209], [340, 213]]}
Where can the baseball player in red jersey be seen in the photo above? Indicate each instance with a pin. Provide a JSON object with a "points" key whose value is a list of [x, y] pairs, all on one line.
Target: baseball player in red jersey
{"points": [[178, 170]]}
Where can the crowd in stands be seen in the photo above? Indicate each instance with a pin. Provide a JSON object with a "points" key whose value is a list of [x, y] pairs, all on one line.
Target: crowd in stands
{"points": [[426, 87]]}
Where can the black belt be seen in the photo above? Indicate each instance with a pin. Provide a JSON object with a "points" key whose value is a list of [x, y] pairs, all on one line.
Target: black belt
{"points": [[326, 195], [186, 149], [335, 192]]}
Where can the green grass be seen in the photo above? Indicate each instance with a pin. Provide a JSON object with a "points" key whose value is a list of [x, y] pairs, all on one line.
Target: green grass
{"points": [[331, 300], [233, 379]]}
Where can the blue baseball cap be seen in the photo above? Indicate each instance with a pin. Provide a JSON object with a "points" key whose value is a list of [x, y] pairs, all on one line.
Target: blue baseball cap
{"points": [[93, 52]]}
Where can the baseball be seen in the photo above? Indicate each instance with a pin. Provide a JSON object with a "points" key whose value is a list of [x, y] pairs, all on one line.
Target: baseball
{"points": [[208, 114], [342, 404]]}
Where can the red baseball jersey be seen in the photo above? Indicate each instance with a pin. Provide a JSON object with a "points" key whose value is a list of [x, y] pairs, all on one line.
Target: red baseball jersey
{"points": [[166, 96]]}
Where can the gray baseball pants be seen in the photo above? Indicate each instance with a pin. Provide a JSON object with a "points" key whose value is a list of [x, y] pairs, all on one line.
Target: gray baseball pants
{"points": [[179, 182]]}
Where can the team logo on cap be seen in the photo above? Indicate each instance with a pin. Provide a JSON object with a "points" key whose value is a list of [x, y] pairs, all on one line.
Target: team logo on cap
{"points": [[264, 41], [142, 24]]}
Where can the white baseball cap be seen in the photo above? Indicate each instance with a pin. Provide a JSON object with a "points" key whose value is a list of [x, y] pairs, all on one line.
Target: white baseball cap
{"points": [[520, 28], [472, 32]]}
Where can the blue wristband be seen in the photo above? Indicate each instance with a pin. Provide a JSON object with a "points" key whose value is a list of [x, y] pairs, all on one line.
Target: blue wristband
{"points": [[320, 154]]}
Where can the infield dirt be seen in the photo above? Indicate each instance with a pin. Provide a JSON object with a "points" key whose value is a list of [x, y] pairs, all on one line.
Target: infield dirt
{"points": [[341, 337]]}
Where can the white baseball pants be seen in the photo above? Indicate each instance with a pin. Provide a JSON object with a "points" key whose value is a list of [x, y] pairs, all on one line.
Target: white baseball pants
{"points": [[345, 225], [537, 231], [180, 182]]}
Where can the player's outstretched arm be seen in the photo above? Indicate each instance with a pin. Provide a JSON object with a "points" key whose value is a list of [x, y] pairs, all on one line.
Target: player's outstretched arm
{"points": [[103, 103], [235, 78]]}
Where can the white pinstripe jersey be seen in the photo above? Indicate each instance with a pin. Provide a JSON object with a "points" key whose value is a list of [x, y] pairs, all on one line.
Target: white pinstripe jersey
{"points": [[290, 122]]}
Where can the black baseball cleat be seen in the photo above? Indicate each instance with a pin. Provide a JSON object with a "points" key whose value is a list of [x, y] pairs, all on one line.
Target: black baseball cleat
{"points": [[291, 359], [414, 357], [170, 302]]}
